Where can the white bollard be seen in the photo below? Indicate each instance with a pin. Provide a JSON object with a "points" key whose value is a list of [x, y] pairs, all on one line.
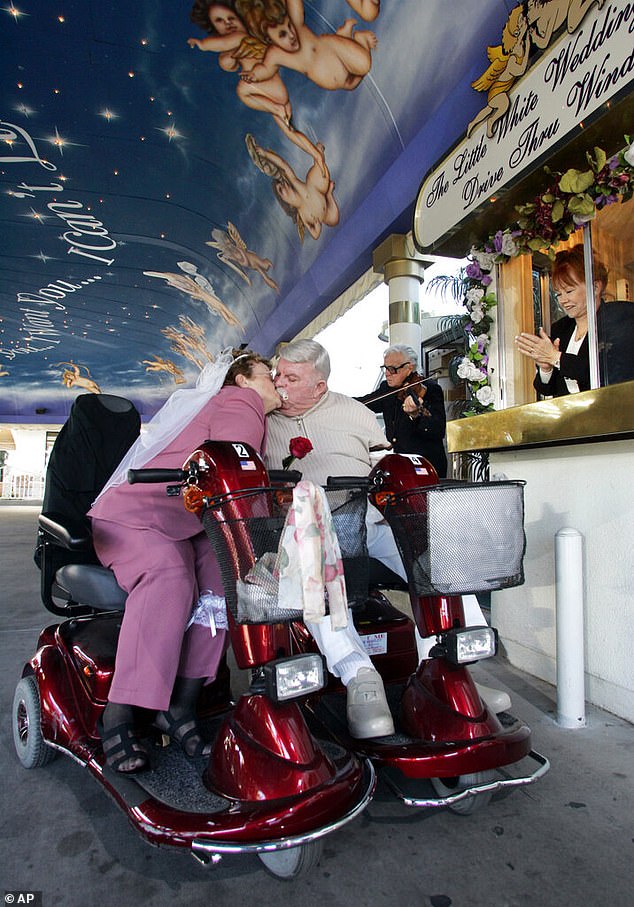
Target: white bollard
{"points": [[570, 631]]}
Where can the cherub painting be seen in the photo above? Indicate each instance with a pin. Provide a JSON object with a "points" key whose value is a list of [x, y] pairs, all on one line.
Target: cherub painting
{"points": [[234, 252], [159, 364], [310, 203], [72, 377], [331, 61], [240, 52], [189, 341], [197, 287], [533, 22], [366, 9], [546, 17], [508, 61]]}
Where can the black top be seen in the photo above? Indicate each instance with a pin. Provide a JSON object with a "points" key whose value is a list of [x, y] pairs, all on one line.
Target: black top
{"points": [[422, 435], [615, 331], [99, 431]]}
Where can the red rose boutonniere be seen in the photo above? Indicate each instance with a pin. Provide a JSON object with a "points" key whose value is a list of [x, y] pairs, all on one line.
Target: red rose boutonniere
{"points": [[298, 448]]}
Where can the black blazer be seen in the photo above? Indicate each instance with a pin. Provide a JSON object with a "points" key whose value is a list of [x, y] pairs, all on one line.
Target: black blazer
{"points": [[570, 366], [615, 333], [422, 435]]}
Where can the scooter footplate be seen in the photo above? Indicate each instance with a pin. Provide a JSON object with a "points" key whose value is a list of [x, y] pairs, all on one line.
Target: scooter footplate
{"points": [[176, 781]]}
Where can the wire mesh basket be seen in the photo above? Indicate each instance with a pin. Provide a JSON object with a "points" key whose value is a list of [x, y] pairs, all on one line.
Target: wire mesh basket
{"points": [[462, 537], [246, 532]]}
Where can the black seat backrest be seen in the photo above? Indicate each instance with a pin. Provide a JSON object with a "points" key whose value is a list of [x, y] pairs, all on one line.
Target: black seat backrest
{"points": [[99, 431]]}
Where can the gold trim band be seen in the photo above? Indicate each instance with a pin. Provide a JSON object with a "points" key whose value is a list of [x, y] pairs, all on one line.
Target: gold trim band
{"points": [[404, 311], [602, 413]]}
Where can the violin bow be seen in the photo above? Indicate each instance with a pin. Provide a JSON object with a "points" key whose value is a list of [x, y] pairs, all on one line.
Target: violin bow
{"points": [[395, 390]]}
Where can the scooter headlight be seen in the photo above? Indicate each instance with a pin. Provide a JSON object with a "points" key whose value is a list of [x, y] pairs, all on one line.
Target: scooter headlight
{"points": [[465, 646], [289, 678]]}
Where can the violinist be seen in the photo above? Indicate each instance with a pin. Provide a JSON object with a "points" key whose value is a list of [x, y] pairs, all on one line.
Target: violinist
{"points": [[413, 408]]}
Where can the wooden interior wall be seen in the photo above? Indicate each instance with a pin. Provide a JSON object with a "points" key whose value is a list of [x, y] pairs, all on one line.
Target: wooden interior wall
{"points": [[613, 243], [515, 297]]}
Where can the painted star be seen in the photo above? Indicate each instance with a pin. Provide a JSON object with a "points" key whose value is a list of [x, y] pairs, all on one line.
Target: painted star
{"points": [[42, 257]]}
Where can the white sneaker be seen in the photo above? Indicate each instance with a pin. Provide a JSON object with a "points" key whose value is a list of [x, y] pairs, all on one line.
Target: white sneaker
{"points": [[496, 700], [367, 708]]}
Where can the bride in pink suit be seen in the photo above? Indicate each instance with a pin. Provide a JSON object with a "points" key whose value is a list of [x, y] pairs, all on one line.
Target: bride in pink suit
{"points": [[163, 560]]}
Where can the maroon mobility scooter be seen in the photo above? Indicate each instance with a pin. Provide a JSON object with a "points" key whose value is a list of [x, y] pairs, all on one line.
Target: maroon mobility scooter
{"points": [[450, 749], [271, 786]]}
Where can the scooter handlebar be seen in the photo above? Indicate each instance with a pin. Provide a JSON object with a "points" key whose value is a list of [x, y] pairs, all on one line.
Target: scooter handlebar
{"points": [[347, 482], [136, 476], [284, 476]]}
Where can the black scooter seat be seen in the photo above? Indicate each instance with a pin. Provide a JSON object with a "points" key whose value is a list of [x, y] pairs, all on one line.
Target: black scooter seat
{"points": [[91, 585]]}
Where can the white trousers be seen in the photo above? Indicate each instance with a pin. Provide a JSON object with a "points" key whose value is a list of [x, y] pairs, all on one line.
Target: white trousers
{"points": [[335, 645], [381, 544]]}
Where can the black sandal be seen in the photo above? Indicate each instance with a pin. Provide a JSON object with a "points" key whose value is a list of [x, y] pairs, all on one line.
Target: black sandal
{"points": [[120, 744], [185, 732]]}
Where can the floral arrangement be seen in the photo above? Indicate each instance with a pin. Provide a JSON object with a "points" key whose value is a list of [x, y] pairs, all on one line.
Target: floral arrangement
{"points": [[573, 198], [298, 448], [570, 200]]}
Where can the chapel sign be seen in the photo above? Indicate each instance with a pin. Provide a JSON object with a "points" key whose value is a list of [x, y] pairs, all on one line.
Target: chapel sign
{"points": [[520, 121]]}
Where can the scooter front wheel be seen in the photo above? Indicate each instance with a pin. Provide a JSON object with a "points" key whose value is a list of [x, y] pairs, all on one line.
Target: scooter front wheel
{"points": [[31, 748], [294, 862], [445, 787]]}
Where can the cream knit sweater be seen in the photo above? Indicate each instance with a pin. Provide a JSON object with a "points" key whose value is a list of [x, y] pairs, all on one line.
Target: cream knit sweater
{"points": [[341, 430]]}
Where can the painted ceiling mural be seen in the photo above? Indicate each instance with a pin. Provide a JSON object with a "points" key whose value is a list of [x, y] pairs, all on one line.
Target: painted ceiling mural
{"points": [[176, 179]]}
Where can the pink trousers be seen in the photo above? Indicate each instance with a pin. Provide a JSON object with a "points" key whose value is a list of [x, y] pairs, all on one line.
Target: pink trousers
{"points": [[163, 579]]}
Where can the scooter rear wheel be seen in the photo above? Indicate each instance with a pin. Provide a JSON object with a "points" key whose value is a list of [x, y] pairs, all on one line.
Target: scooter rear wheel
{"points": [[293, 863], [31, 748], [445, 787]]}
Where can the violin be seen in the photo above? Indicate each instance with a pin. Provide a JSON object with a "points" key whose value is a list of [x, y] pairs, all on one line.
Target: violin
{"points": [[413, 387]]}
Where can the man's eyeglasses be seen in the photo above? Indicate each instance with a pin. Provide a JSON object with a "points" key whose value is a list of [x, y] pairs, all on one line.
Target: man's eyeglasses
{"points": [[394, 369]]}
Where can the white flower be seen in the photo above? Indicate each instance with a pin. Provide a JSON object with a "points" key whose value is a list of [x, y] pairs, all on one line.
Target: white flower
{"points": [[464, 369], [509, 246], [474, 295], [468, 371], [486, 260], [482, 340], [477, 314], [485, 395], [629, 155]]}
